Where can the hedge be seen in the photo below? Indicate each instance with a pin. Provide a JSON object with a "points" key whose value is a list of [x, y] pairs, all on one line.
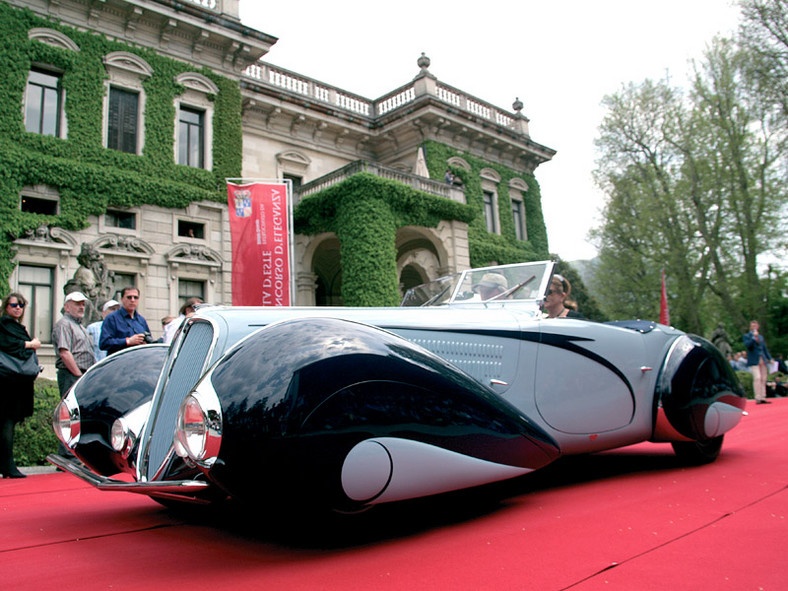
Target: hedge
{"points": [[34, 438]]}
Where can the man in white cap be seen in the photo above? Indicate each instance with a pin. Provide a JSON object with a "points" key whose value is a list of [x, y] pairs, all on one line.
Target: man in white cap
{"points": [[491, 285], [72, 343], [94, 328]]}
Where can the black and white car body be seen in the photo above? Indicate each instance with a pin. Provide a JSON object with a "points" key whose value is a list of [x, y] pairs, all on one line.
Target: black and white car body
{"points": [[350, 407]]}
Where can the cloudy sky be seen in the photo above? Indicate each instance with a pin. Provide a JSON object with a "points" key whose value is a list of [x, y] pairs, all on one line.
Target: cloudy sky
{"points": [[559, 58]]}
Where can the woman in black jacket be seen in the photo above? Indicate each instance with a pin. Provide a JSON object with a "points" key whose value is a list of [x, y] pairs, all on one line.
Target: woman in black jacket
{"points": [[16, 398]]}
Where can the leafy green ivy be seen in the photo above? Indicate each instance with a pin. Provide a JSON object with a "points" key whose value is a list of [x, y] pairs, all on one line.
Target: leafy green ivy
{"points": [[487, 248], [365, 212], [88, 176]]}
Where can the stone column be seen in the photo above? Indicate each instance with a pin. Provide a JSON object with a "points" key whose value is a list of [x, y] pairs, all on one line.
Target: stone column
{"points": [[306, 283]]}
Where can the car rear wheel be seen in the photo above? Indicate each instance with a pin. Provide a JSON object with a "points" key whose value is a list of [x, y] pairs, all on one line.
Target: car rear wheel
{"points": [[698, 452]]}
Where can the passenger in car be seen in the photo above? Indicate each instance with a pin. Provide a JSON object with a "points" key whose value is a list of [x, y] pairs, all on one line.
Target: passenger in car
{"points": [[557, 303]]}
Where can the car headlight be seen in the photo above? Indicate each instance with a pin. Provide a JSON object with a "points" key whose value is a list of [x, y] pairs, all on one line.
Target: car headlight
{"points": [[198, 431], [126, 429], [66, 422], [119, 435]]}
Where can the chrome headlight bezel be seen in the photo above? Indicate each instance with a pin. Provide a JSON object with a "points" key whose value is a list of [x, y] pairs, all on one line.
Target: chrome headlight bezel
{"points": [[125, 431], [198, 430], [66, 421], [119, 435]]}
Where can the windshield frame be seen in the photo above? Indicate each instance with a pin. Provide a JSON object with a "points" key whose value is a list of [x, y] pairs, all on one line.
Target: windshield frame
{"points": [[527, 282]]}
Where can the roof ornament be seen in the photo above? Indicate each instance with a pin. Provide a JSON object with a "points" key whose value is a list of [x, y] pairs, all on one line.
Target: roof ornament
{"points": [[423, 62]]}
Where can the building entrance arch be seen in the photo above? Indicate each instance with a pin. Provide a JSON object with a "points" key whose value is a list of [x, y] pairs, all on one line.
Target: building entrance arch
{"points": [[327, 268]]}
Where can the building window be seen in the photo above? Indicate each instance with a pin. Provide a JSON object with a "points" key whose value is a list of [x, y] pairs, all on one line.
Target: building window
{"points": [[188, 288], [194, 109], [35, 283], [44, 111], [121, 280], [489, 211], [191, 137], [296, 181], [519, 221], [38, 205], [125, 220], [191, 229], [123, 120]]}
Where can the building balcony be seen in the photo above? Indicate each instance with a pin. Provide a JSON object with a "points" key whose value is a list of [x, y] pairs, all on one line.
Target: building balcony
{"points": [[437, 188], [423, 85]]}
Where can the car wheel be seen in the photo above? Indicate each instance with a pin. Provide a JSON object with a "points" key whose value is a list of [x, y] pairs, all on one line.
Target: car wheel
{"points": [[698, 452]]}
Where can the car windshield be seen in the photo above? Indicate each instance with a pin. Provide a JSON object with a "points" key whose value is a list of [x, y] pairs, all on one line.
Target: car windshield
{"points": [[502, 283]]}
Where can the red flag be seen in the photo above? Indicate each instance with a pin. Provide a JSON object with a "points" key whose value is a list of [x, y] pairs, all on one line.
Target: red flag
{"points": [[260, 232], [664, 313]]}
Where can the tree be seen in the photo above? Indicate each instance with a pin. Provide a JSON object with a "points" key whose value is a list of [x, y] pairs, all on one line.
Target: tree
{"points": [[764, 34], [647, 225], [736, 156], [695, 185]]}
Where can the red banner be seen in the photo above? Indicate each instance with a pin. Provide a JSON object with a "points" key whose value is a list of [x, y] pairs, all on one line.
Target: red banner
{"points": [[664, 313], [260, 231]]}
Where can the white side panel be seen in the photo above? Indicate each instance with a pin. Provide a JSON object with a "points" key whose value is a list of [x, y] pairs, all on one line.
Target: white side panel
{"points": [[388, 469]]}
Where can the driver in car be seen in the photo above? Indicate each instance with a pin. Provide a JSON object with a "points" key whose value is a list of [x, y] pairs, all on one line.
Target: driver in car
{"points": [[491, 285]]}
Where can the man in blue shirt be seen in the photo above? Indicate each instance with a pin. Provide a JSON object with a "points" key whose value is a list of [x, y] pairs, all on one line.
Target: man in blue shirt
{"points": [[125, 327], [757, 357]]}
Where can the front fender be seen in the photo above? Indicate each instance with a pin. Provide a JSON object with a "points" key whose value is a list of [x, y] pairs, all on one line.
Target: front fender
{"points": [[116, 387], [298, 396], [697, 390]]}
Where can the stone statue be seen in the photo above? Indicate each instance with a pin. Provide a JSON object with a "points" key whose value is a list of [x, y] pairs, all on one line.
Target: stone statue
{"points": [[93, 279], [721, 340]]}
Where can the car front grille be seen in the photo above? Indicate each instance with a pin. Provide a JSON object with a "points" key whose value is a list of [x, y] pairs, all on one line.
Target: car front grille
{"points": [[189, 364]]}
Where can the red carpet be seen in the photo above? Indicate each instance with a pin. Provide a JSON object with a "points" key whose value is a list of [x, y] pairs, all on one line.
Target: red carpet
{"points": [[628, 519]]}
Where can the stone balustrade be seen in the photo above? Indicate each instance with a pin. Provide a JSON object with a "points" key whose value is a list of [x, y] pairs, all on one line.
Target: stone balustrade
{"points": [[301, 85], [437, 188], [226, 7]]}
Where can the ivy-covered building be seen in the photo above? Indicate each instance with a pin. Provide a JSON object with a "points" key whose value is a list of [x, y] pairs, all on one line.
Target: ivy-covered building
{"points": [[120, 121]]}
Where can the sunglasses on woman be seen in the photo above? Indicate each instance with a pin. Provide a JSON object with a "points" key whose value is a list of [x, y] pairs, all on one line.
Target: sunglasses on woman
{"points": [[16, 305]]}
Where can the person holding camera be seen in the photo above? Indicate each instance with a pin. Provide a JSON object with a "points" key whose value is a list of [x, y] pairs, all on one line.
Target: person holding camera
{"points": [[72, 343], [125, 327]]}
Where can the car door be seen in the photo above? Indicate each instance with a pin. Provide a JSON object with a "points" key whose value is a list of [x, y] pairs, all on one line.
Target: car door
{"points": [[589, 376]]}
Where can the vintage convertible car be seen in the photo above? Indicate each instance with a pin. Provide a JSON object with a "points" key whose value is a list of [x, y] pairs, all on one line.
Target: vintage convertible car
{"points": [[345, 408]]}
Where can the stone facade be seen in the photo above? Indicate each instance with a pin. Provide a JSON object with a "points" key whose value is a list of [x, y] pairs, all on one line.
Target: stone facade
{"points": [[293, 127]]}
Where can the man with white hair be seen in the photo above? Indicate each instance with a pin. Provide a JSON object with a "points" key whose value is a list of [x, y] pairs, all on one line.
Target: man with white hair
{"points": [[72, 343], [94, 329]]}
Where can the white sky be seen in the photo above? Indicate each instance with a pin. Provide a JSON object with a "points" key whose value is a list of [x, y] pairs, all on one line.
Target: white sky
{"points": [[559, 58]]}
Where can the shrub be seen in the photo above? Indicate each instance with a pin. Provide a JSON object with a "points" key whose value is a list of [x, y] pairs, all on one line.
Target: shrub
{"points": [[34, 438]]}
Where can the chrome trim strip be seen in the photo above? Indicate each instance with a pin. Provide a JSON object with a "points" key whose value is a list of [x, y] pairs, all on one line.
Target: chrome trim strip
{"points": [[184, 487]]}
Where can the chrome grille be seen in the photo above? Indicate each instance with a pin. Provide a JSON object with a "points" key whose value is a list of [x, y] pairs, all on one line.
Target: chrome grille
{"points": [[184, 373]]}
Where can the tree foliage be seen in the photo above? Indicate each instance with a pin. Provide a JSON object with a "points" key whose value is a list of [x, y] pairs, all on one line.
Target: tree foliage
{"points": [[586, 303], [695, 185]]}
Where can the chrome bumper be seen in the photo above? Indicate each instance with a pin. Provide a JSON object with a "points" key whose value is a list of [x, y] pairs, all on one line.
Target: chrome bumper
{"points": [[183, 489]]}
